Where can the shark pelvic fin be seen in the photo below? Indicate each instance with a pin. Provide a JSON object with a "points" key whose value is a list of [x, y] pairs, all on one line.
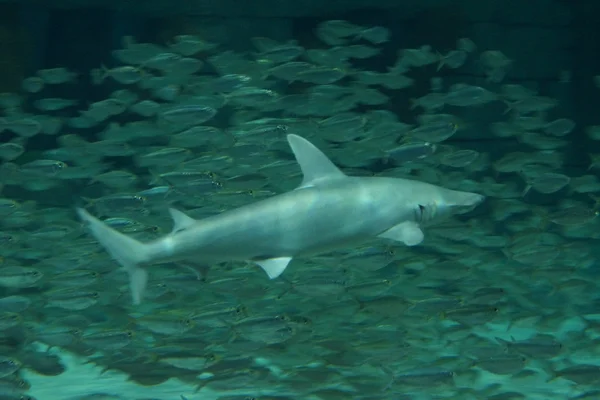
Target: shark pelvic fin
{"points": [[407, 232], [181, 221], [274, 266], [315, 165]]}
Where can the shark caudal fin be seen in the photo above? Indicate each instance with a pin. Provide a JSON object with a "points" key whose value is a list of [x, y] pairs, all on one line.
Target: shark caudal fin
{"points": [[127, 251]]}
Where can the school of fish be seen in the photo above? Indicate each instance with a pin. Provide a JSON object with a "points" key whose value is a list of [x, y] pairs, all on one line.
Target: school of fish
{"points": [[405, 256]]}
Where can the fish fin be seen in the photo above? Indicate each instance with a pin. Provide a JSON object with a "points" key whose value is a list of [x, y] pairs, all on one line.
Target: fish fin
{"points": [[263, 44], [274, 266], [128, 252], [407, 232], [441, 60], [181, 220], [316, 166]]}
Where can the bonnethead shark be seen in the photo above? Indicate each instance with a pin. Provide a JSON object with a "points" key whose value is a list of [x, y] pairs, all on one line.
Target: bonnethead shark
{"points": [[328, 211]]}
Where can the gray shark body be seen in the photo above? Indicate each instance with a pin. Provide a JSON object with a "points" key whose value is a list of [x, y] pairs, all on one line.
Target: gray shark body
{"points": [[329, 210]]}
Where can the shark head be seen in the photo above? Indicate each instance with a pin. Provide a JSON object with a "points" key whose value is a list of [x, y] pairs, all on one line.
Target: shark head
{"points": [[441, 203], [424, 204]]}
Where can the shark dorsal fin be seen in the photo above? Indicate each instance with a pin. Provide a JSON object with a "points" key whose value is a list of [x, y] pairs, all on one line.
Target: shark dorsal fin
{"points": [[181, 221], [315, 165]]}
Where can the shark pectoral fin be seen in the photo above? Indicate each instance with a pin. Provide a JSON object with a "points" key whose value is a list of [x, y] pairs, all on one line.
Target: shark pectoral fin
{"points": [[274, 266], [181, 221], [315, 165], [408, 233]]}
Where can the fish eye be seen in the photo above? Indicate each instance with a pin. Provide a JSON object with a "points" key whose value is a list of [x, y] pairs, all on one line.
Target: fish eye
{"points": [[95, 295], [129, 334]]}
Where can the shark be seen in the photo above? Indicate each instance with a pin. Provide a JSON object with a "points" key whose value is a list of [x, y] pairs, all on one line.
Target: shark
{"points": [[328, 211]]}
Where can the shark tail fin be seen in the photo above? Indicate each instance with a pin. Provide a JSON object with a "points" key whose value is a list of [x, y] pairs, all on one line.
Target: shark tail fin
{"points": [[128, 252]]}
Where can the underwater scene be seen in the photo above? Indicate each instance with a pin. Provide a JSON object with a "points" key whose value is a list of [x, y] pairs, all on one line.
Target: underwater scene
{"points": [[385, 202]]}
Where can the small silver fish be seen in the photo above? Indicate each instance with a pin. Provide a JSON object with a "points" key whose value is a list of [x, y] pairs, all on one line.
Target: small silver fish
{"points": [[410, 152]]}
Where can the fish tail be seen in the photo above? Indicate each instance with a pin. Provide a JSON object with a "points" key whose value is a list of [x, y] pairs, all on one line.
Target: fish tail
{"points": [[128, 252]]}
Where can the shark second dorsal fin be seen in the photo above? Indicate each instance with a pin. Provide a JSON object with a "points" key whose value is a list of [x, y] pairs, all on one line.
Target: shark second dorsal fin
{"points": [[181, 221], [315, 165]]}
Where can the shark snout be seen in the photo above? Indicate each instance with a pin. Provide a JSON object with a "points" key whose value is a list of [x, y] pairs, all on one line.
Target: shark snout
{"points": [[476, 199], [466, 202]]}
